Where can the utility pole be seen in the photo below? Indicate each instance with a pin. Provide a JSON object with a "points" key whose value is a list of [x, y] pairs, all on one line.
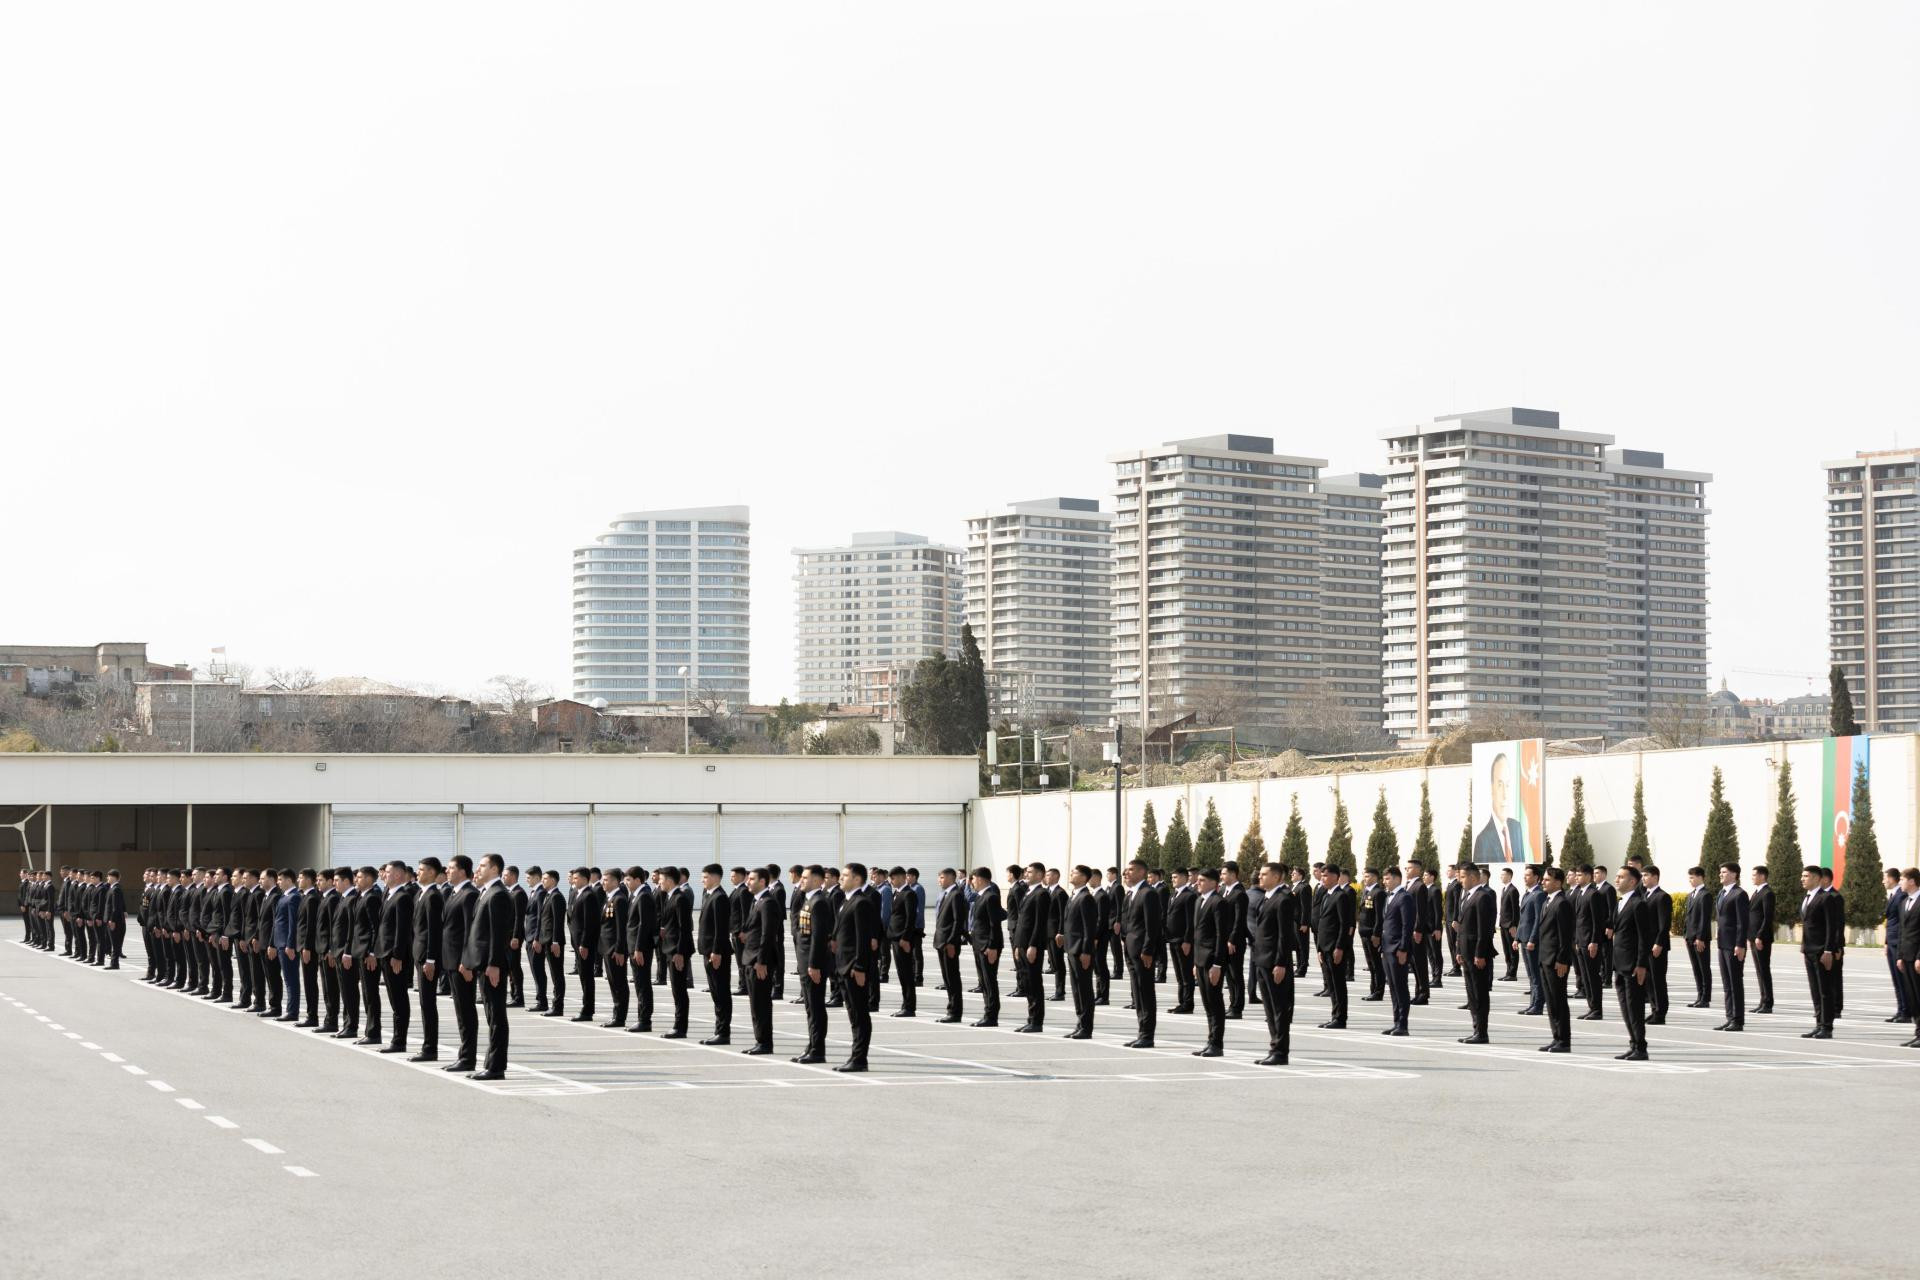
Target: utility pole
{"points": [[1119, 805]]}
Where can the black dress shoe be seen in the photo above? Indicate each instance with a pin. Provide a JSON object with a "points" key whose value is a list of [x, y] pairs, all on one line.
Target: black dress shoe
{"points": [[1370, 998], [311, 1024], [541, 1007], [717, 1040], [1208, 1052], [1058, 998], [1808, 1035], [946, 1019], [758, 1049], [1417, 1001], [1473, 1040], [902, 1013], [488, 1075], [1765, 1008], [851, 1067], [1911, 1044], [459, 1066], [1181, 1008], [1026, 1030], [427, 1055], [810, 1059], [1723, 1026], [1657, 1020], [1561, 1047], [1273, 1060], [1632, 1055], [368, 1040], [581, 1017], [1321, 993], [1588, 1017], [987, 1022], [1824, 1033], [393, 1048], [1333, 1026], [1735, 1026], [617, 1022], [640, 1028], [1899, 1017], [554, 1013], [673, 1035]]}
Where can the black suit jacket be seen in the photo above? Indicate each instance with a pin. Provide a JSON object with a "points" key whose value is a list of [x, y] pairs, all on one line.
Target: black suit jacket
{"points": [[676, 922], [1735, 925], [1080, 924], [1699, 921], [457, 924], [1180, 914], [950, 919], [429, 925], [1333, 919], [855, 927], [491, 929], [1509, 907], [396, 924], [1142, 926], [613, 921], [1907, 937], [716, 924], [553, 918], [817, 924], [762, 938], [522, 910], [583, 921], [1477, 923], [1273, 930], [1033, 922], [643, 922], [1237, 898], [1553, 944], [1632, 933], [985, 927], [307, 930], [1212, 926], [1760, 903]]}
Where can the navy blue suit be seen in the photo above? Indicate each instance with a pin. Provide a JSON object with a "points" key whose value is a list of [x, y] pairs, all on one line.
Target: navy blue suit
{"points": [[285, 943], [1397, 921], [1896, 908], [1527, 932], [1734, 927]]}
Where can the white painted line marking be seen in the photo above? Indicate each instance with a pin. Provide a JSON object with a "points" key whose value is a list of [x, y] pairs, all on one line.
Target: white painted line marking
{"points": [[73, 1035], [221, 1122], [112, 1057], [190, 1104], [132, 1070], [299, 1171], [263, 1146], [23, 1008], [41, 1017], [88, 1044], [161, 1085], [54, 1026]]}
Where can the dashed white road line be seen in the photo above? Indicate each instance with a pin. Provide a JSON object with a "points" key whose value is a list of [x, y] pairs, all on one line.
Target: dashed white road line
{"points": [[161, 1085], [221, 1122], [111, 1057], [190, 1104], [263, 1146], [88, 1044], [54, 1026], [73, 1035], [299, 1171], [132, 1070]]}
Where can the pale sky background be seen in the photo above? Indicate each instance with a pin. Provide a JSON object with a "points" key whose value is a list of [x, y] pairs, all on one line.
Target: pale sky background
{"points": [[326, 334]]}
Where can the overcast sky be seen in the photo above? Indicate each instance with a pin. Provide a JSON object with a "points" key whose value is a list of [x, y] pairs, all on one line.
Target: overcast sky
{"points": [[327, 333]]}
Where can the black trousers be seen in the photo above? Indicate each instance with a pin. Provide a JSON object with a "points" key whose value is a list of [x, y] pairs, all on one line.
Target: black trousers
{"points": [[494, 996], [466, 1016], [1633, 1009], [1057, 966], [1396, 988], [1824, 985], [1236, 979], [584, 967], [289, 981], [1334, 974], [1081, 976], [1511, 950], [1422, 967], [1277, 998], [428, 992], [1453, 943], [1837, 985], [1182, 963], [617, 988], [904, 970], [950, 979], [1559, 1016], [349, 977], [722, 993], [1035, 991], [1594, 973], [1376, 967], [814, 996], [537, 965], [1436, 960], [310, 979], [223, 973], [1302, 950], [370, 985], [989, 985], [1213, 1000], [1146, 1004], [859, 1019], [660, 968], [1536, 994], [760, 1004], [1733, 985], [330, 984], [556, 977], [1479, 980], [1657, 982], [515, 976], [1102, 975], [397, 1004], [679, 982], [1702, 973], [642, 990], [271, 972], [244, 962], [1763, 972]]}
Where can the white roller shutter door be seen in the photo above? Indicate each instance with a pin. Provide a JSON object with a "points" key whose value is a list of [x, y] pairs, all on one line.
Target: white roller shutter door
{"points": [[749, 838], [545, 839], [370, 836], [651, 840], [918, 839]]}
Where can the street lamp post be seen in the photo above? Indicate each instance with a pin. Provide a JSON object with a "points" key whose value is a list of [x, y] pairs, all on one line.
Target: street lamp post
{"points": [[686, 714]]}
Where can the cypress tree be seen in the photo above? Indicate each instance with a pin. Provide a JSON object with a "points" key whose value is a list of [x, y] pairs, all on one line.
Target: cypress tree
{"points": [[1211, 848], [1178, 848], [1840, 721], [1637, 838], [1860, 882], [1784, 860], [1253, 849], [1721, 843], [1466, 842], [1293, 844], [1340, 843], [1383, 846], [1546, 845], [1149, 850], [1577, 848], [1423, 846]]}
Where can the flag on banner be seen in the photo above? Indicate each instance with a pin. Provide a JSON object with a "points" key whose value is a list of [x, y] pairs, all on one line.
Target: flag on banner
{"points": [[1841, 758]]}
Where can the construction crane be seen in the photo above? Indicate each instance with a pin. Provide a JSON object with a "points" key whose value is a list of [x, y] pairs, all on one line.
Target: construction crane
{"points": [[1809, 676]]}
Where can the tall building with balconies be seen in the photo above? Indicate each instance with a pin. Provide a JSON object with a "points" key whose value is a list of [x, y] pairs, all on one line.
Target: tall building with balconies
{"points": [[1873, 585], [660, 593], [1350, 528], [884, 600], [1037, 581], [1534, 572]]}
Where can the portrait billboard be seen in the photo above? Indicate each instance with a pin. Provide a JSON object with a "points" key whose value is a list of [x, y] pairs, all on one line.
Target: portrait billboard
{"points": [[1508, 822]]}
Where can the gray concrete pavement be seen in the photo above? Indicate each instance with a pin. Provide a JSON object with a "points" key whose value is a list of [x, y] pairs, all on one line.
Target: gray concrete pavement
{"points": [[137, 1109]]}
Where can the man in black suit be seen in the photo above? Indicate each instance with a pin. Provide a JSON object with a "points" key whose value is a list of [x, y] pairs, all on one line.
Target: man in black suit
{"points": [[113, 919], [856, 930], [1896, 908], [1212, 926], [1433, 927], [1509, 925], [552, 941], [1373, 897], [1142, 939], [1760, 907], [1180, 938], [1079, 935], [459, 914], [1816, 951], [371, 904], [347, 923], [429, 946], [1031, 929], [1660, 906], [306, 948], [1333, 924], [817, 922], [486, 959], [1271, 944], [1056, 930], [1103, 903], [583, 925], [643, 939], [739, 907], [1632, 948], [716, 952], [1835, 904], [1698, 936], [984, 928], [1398, 951], [950, 939], [1734, 926], [516, 945], [1237, 900], [1016, 891], [1907, 944], [797, 898], [761, 958], [612, 943], [535, 958], [394, 949], [1419, 966], [1553, 950], [676, 942], [1596, 917], [1450, 903], [1478, 915], [903, 927]]}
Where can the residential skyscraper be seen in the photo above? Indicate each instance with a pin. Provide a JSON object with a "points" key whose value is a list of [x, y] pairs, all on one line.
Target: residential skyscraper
{"points": [[659, 591], [1037, 597], [1350, 532], [886, 599], [1226, 574], [1873, 592], [1530, 571]]}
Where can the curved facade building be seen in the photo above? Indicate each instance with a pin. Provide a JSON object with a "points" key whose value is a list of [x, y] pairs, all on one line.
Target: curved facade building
{"points": [[658, 591]]}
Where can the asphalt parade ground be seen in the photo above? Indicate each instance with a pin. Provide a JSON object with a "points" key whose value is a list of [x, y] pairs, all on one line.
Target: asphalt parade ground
{"points": [[154, 1132]]}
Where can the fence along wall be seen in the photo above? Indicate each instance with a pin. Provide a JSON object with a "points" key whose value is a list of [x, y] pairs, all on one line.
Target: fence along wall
{"points": [[1062, 829]]}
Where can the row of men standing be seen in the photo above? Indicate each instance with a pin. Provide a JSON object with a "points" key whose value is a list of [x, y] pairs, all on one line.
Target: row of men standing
{"points": [[88, 907]]}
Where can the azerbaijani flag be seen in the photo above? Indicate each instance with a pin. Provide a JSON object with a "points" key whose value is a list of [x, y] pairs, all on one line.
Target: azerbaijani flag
{"points": [[1840, 759]]}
